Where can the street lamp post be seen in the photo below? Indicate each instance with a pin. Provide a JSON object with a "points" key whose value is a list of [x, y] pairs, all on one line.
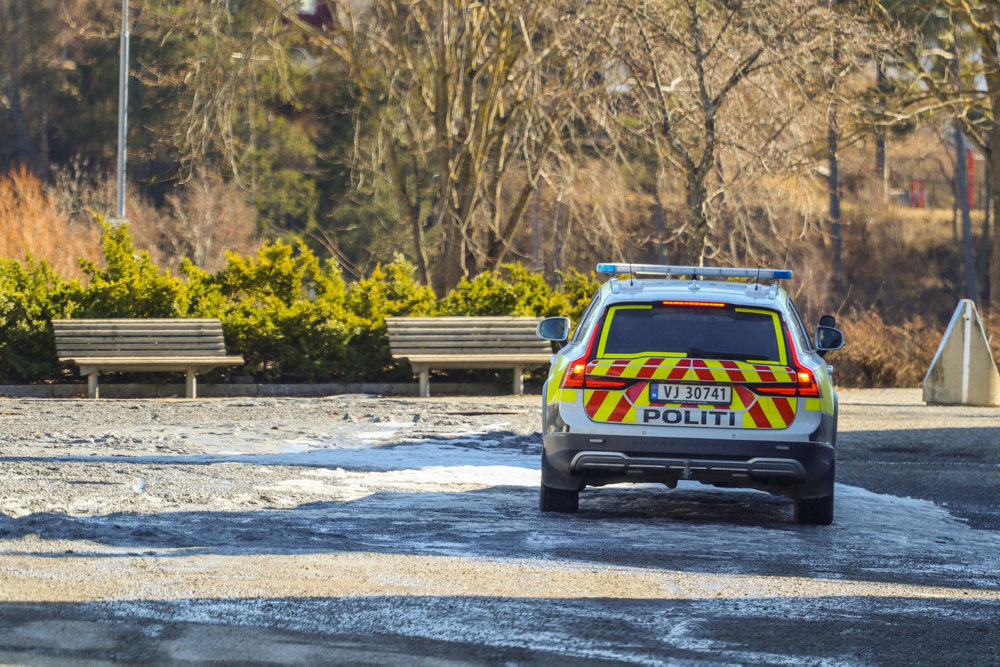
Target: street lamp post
{"points": [[122, 113]]}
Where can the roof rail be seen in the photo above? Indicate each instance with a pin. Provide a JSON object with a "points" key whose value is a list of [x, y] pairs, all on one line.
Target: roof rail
{"points": [[694, 271]]}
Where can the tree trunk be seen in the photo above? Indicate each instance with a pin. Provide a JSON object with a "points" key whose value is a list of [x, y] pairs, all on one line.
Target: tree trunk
{"points": [[880, 166], [697, 217], [993, 157], [10, 86], [985, 243], [833, 184], [961, 185]]}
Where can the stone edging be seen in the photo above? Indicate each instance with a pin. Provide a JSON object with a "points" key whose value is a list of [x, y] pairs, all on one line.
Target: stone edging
{"points": [[176, 390]]}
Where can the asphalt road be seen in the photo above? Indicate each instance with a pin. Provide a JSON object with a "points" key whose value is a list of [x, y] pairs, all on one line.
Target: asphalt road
{"points": [[405, 531]]}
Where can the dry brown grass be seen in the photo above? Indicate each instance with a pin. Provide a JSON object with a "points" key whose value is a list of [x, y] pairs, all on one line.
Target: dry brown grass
{"points": [[204, 219], [32, 224], [878, 354], [884, 355]]}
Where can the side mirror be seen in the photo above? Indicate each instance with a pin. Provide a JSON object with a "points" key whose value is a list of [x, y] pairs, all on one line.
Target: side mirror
{"points": [[553, 328], [828, 339]]}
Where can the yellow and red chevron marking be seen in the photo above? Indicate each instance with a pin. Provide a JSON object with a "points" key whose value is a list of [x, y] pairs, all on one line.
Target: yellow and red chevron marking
{"points": [[608, 406], [770, 412], [674, 369], [758, 412]]}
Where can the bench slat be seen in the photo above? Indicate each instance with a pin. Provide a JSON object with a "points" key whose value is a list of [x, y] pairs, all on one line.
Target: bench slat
{"points": [[223, 360], [492, 358], [493, 352], [212, 343], [136, 322], [467, 342]]}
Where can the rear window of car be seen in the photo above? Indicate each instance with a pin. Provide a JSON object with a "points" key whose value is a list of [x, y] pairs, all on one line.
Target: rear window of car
{"points": [[698, 332]]}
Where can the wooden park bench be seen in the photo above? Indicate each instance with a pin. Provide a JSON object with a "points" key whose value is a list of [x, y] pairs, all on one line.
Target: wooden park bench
{"points": [[142, 345], [467, 342]]}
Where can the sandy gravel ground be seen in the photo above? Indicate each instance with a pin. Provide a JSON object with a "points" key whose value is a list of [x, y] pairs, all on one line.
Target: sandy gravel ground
{"points": [[366, 529]]}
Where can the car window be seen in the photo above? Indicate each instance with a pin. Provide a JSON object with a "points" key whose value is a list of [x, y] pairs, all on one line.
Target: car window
{"points": [[584, 324], [725, 332], [799, 329]]}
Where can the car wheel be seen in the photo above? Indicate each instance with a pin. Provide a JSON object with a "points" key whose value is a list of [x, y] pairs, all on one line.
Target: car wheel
{"points": [[558, 500], [815, 511]]}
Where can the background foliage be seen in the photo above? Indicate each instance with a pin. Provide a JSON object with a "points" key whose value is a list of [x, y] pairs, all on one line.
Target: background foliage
{"points": [[302, 175]]}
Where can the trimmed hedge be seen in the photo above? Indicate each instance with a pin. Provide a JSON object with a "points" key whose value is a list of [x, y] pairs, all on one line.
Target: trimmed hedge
{"points": [[291, 316]]}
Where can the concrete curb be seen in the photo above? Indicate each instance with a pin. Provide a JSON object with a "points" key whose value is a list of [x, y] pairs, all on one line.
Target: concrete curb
{"points": [[176, 390]]}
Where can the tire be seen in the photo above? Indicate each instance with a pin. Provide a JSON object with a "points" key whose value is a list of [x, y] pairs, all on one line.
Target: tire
{"points": [[558, 500], [814, 511]]}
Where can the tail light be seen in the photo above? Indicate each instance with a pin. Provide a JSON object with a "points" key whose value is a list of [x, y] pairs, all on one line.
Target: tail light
{"points": [[805, 381], [576, 374]]}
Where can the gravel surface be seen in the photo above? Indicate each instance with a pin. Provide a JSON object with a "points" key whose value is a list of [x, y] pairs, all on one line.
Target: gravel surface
{"points": [[367, 529]]}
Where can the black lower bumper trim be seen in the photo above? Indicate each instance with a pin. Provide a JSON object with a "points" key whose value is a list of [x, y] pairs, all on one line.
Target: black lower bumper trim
{"points": [[799, 468], [758, 467]]}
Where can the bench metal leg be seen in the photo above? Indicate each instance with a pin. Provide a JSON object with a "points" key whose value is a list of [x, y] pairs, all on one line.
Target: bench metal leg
{"points": [[425, 382], [519, 379], [92, 390], [190, 385]]}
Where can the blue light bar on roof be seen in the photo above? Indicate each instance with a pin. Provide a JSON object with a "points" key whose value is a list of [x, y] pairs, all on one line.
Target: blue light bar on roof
{"points": [[698, 271]]}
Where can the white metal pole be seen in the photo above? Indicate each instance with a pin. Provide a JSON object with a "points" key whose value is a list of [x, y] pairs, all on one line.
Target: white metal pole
{"points": [[122, 113]]}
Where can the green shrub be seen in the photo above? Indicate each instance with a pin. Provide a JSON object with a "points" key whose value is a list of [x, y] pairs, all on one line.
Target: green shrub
{"points": [[390, 290], [31, 296], [577, 289], [512, 290], [282, 310], [130, 284], [289, 315]]}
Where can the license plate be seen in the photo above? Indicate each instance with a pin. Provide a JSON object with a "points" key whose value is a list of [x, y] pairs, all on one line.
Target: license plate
{"points": [[716, 394]]}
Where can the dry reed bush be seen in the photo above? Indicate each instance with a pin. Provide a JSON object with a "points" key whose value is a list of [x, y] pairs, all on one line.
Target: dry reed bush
{"points": [[31, 223], [202, 219], [878, 354]]}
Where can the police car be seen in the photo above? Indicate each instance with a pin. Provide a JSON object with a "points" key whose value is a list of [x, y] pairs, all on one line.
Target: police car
{"points": [[691, 373]]}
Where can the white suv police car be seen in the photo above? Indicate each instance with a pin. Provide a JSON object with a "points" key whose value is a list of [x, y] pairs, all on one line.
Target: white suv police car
{"points": [[680, 372]]}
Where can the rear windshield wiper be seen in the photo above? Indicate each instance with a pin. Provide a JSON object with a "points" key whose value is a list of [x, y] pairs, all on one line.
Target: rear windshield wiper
{"points": [[703, 353]]}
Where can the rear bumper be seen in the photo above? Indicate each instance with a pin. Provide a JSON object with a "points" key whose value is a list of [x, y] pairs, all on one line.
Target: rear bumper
{"points": [[799, 469]]}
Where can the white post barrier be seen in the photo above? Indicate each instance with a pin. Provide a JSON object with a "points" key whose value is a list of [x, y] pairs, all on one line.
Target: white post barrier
{"points": [[963, 371]]}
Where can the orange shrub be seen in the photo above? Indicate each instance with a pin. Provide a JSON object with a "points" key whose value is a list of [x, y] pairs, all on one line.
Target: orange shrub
{"points": [[32, 224]]}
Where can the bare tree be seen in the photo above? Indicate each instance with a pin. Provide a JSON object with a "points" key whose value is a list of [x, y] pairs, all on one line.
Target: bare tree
{"points": [[959, 84], [471, 99], [707, 79]]}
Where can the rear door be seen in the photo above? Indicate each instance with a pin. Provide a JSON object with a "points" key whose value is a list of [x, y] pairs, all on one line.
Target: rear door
{"points": [[691, 364]]}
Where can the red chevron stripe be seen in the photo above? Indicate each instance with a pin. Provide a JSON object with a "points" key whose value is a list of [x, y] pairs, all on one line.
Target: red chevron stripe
{"points": [[746, 396], [784, 406], [595, 402], [635, 391], [702, 371], [649, 368], [620, 410], [766, 374], [758, 416], [734, 372], [679, 371], [617, 368]]}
